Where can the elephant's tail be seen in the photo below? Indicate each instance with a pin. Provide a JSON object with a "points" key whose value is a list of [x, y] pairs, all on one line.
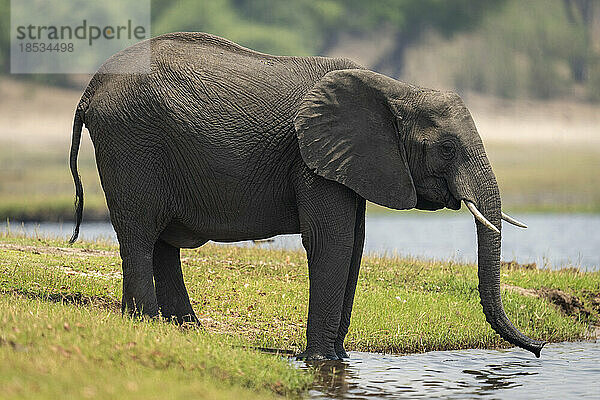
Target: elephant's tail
{"points": [[75, 140]]}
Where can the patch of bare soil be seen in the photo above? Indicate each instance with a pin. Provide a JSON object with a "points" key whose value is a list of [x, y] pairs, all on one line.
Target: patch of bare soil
{"points": [[77, 299], [65, 269], [513, 265], [567, 303], [58, 250]]}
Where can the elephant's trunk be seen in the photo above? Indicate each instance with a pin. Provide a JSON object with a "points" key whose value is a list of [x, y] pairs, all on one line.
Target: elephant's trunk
{"points": [[488, 241]]}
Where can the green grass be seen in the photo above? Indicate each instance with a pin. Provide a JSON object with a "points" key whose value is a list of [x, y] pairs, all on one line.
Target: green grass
{"points": [[61, 331], [260, 296], [51, 350]]}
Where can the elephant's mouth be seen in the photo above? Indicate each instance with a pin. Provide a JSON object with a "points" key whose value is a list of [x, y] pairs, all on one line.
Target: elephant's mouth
{"points": [[428, 205], [443, 198], [452, 202]]}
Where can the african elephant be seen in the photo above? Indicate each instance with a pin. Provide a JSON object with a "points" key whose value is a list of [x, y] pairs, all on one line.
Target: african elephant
{"points": [[219, 142]]}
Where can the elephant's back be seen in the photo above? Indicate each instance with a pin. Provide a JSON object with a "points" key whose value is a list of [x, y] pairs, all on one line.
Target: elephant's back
{"points": [[205, 84]]}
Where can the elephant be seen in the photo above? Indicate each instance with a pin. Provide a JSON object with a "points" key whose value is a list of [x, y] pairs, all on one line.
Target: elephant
{"points": [[219, 142]]}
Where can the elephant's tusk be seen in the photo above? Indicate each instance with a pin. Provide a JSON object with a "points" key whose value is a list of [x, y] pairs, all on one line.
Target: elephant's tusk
{"points": [[513, 221], [479, 216]]}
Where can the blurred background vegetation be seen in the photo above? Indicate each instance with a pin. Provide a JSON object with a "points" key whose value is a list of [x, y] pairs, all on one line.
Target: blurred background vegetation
{"points": [[508, 48], [529, 72]]}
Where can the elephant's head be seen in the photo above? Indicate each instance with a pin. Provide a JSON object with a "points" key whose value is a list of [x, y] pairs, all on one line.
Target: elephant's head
{"points": [[402, 147]]}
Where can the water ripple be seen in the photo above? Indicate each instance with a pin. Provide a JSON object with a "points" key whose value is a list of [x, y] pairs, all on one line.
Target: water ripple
{"points": [[566, 370]]}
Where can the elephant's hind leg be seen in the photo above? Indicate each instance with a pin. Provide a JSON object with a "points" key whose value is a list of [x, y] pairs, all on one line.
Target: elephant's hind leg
{"points": [[138, 288], [171, 294]]}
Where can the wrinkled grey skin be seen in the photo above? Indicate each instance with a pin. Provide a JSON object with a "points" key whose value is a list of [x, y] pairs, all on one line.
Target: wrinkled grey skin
{"points": [[223, 143]]}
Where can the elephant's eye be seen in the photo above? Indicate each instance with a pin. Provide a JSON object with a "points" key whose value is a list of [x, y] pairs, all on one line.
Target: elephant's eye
{"points": [[448, 150]]}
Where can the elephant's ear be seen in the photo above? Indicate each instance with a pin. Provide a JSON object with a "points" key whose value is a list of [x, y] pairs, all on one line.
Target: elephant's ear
{"points": [[347, 133]]}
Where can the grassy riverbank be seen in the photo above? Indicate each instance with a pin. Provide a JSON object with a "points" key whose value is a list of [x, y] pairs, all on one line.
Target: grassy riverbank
{"points": [[60, 318], [53, 350]]}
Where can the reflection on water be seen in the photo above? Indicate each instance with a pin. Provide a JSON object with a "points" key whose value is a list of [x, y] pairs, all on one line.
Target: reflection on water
{"points": [[551, 239], [565, 371]]}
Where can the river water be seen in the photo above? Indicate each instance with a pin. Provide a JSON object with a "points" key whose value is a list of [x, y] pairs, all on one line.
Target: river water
{"points": [[564, 371], [552, 240]]}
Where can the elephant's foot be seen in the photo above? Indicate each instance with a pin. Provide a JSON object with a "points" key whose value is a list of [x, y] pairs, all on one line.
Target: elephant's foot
{"points": [[316, 355], [177, 309], [340, 351], [130, 306], [181, 318]]}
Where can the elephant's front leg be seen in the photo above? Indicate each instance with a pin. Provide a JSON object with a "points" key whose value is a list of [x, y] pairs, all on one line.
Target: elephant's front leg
{"points": [[357, 251], [328, 272], [327, 225]]}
